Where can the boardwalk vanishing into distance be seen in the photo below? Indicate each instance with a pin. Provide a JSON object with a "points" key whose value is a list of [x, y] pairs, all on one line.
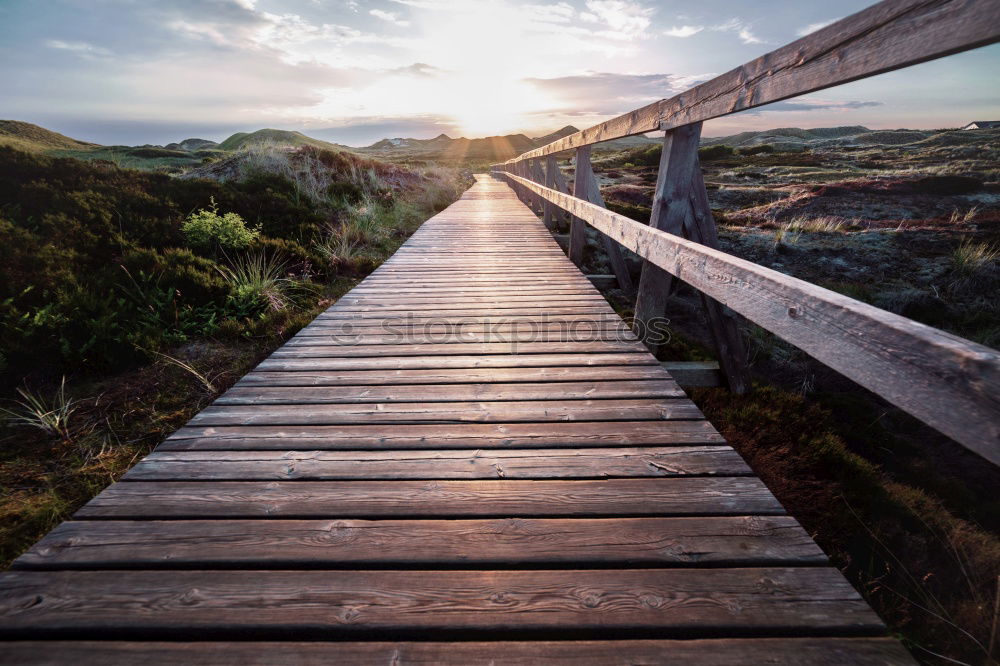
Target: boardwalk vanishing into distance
{"points": [[471, 459], [468, 458]]}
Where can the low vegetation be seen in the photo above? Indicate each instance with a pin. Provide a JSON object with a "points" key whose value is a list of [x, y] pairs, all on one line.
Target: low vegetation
{"points": [[151, 293], [911, 225]]}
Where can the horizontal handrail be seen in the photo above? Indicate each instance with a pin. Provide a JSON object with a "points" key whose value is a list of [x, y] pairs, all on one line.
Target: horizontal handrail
{"points": [[950, 383], [886, 36]]}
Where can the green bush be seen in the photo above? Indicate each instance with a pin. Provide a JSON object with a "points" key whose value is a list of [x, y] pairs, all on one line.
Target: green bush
{"points": [[208, 231], [756, 150], [195, 279], [715, 152]]}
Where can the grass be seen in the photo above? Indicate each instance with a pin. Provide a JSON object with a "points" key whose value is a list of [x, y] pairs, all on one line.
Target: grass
{"points": [[971, 258], [51, 416], [258, 280]]}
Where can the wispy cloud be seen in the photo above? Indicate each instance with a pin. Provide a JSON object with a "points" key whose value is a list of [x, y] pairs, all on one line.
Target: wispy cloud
{"points": [[683, 30], [813, 27], [626, 20], [435, 5], [816, 105], [741, 29], [389, 17], [82, 49], [610, 93]]}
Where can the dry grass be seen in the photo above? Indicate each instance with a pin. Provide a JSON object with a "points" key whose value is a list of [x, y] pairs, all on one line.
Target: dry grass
{"points": [[51, 416], [971, 258]]}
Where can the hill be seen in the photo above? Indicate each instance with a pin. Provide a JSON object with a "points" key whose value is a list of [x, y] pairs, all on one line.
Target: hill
{"points": [[487, 149], [191, 145], [555, 136], [276, 137], [790, 138], [26, 136]]}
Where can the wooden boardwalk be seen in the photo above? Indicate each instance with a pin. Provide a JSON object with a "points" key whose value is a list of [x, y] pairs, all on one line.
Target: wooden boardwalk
{"points": [[467, 459]]}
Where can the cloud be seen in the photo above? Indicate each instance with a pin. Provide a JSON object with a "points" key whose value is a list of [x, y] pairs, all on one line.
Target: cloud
{"points": [[608, 93], [683, 30], [815, 105], [813, 27], [433, 5], [625, 19], [417, 69], [389, 17], [82, 49], [741, 29], [561, 12]]}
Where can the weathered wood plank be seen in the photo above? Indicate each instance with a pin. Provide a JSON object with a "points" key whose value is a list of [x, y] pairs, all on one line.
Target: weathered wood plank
{"points": [[671, 602], [511, 360], [438, 464], [444, 436], [281, 544], [452, 412], [353, 394], [704, 652], [387, 378], [702, 496]]}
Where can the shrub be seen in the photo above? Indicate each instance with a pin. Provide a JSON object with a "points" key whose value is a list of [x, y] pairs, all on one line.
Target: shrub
{"points": [[208, 231], [715, 152], [195, 279], [756, 150], [947, 185]]}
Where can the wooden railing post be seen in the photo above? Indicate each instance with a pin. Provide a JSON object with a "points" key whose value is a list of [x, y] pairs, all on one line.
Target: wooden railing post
{"points": [[680, 207], [577, 227], [587, 188], [548, 210], [538, 176]]}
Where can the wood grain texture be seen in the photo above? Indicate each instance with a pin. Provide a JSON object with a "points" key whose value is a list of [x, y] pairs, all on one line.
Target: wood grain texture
{"points": [[950, 383], [439, 464], [443, 436], [691, 602], [705, 496], [510, 411], [704, 652], [289, 544], [555, 377], [288, 395]]}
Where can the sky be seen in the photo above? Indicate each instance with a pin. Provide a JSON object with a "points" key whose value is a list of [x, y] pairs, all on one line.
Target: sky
{"points": [[156, 71]]}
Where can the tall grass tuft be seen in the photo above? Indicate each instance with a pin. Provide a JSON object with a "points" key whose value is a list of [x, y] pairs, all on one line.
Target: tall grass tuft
{"points": [[971, 258], [206, 382], [35, 411], [258, 282]]}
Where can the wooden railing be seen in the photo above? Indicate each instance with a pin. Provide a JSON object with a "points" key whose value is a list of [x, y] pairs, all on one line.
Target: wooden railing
{"points": [[950, 383]]}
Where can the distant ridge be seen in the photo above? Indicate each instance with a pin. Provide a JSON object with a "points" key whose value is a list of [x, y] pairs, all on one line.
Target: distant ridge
{"points": [[26, 136], [788, 137], [494, 148], [274, 136]]}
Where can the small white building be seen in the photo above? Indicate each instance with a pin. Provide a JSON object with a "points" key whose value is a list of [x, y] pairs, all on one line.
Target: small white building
{"points": [[982, 124]]}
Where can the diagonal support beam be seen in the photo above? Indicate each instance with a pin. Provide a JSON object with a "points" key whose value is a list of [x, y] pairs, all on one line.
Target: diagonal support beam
{"points": [[587, 188], [681, 208]]}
